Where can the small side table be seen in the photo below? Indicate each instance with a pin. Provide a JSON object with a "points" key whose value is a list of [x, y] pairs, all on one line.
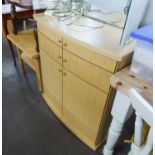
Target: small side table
{"points": [[122, 81], [6, 15], [22, 12]]}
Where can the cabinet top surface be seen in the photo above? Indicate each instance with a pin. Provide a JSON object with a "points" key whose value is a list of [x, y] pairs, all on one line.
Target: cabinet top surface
{"points": [[96, 36]]}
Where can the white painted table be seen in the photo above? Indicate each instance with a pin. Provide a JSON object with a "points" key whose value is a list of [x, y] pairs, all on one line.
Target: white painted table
{"points": [[122, 109]]}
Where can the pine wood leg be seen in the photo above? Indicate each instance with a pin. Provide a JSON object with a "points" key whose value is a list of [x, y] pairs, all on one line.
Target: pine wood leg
{"points": [[12, 52], [38, 73], [121, 111], [20, 60]]}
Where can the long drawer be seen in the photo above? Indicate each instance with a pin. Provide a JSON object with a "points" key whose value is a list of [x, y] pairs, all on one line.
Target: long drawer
{"points": [[50, 33], [93, 57], [87, 71], [51, 48]]}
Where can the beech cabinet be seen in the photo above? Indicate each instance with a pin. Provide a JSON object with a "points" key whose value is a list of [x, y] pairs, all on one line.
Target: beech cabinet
{"points": [[76, 78]]}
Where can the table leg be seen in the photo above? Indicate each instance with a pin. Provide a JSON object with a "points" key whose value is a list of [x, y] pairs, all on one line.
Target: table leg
{"points": [[121, 111], [5, 30]]}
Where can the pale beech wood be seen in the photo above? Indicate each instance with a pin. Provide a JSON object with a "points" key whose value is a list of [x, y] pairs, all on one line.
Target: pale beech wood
{"points": [[106, 118], [52, 81], [83, 104], [38, 73], [28, 60], [89, 55], [25, 41], [125, 62], [52, 49], [34, 63], [90, 45], [76, 131], [124, 80], [20, 60], [51, 34], [25, 44], [87, 71], [84, 138], [52, 106], [104, 41], [82, 97]]}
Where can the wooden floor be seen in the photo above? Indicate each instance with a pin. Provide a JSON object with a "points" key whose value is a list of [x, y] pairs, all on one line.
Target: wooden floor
{"points": [[29, 127]]}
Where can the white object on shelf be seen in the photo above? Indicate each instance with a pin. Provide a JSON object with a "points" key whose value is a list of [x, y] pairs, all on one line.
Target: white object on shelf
{"points": [[142, 62]]}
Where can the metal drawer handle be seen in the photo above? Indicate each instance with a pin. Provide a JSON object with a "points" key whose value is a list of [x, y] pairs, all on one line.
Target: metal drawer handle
{"points": [[64, 74], [60, 57], [59, 41], [64, 60], [60, 70], [65, 44]]}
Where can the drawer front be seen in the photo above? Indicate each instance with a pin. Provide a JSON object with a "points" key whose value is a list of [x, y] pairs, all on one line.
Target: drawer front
{"points": [[92, 56], [51, 34], [87, 71], [52, 49]]}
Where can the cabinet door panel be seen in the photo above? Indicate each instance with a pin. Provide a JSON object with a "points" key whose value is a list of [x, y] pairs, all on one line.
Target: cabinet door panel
{"points": [[52, 81], [83, 105]]}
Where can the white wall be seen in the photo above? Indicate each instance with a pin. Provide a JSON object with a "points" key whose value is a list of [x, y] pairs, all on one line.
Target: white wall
{"points": [[148, 18], [117, 5], [120, 4]]}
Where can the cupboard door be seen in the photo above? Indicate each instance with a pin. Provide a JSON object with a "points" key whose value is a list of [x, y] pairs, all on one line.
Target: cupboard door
{"points": [[52, 82], [83, 105]]}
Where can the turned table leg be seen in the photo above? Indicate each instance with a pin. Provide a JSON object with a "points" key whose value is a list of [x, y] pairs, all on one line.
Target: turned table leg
{"points": [[121, 111]]}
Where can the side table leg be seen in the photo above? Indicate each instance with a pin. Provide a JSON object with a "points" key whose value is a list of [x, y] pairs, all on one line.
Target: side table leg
{"points": [[12, 52], [121, 111]]}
